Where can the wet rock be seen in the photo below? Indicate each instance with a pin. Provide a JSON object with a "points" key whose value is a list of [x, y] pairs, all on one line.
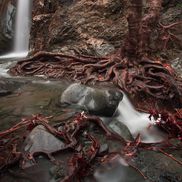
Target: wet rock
{"points": [[102, 102], [40, 141], [4, 92], [103, 149], [8, 86], [121, 129]]}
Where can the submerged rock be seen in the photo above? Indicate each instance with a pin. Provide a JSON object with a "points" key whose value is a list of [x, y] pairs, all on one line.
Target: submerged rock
{"points": [[8, 86], [94, 100], [117, 170], [121, 129]]}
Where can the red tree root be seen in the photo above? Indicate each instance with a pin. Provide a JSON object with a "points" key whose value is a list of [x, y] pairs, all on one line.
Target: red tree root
{"points": [[150, 77]]}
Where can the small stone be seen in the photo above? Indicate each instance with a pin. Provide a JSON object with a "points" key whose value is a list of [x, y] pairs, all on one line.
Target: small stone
{"points": [[103, 149], [4, 92], [121, 129]]}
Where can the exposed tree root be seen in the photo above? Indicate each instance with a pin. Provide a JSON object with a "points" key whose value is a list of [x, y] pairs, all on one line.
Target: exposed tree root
{"points": [[79, 165], [150, 77], [167, 36], [131, 70]]}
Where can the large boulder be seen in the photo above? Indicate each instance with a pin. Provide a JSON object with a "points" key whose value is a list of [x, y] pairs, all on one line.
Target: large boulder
{"points": [[102, 102]]}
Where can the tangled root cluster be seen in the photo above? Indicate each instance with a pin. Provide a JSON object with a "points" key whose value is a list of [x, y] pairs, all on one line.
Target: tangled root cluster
{"points": [[84, 144], [150, 77]]}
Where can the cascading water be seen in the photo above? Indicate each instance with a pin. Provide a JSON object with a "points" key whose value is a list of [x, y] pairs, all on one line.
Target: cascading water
{"points": [[22, 30], [138, 123]]}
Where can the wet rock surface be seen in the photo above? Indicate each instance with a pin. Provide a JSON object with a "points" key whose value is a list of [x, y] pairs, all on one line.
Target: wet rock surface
{"points": [[94, 100], [8, 86], [23, 97], [40, 141], [38, 97], [120, 129]]}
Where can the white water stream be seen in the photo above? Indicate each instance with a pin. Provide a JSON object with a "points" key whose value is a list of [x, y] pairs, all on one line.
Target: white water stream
{"points": [[138, 123], [22, 30], [4, 69]]}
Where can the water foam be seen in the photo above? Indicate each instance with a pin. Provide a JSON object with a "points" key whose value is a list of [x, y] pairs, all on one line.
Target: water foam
{"points": [[138, 123]]}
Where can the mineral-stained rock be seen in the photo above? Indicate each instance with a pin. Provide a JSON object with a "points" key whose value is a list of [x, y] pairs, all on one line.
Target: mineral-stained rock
{"points": [[94, 100]]}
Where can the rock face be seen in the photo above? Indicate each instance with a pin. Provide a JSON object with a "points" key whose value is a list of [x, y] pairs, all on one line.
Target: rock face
{"points": [[94, 100], [78, 26], [7, 13]]}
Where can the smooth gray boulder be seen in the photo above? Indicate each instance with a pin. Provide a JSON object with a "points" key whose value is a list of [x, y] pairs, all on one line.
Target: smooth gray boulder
{"points": [[38, 142], [97, 101]]}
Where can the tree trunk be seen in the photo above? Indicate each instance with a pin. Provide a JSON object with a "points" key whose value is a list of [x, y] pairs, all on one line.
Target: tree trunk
{"points": [[134, 20], [140, 29], [148, 24]]}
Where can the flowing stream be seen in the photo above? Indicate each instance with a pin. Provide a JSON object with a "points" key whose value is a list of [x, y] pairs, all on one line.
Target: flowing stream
{"points": [[138, 123], [22, 30]]}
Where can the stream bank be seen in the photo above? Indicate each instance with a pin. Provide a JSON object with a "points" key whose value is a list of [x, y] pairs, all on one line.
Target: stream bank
{"points": [[62, 100]]}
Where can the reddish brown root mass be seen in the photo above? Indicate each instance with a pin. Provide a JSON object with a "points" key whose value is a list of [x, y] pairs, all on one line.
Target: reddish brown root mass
{"points": [[81, 163], [146, 76]]}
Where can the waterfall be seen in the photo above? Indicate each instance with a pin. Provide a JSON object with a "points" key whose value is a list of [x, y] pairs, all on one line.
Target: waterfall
{"points": [[22, 30], [138, 123], [22, 27]]}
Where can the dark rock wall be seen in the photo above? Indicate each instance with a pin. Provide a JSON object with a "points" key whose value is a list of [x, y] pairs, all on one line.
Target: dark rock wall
{"points": [[7, 14]]}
